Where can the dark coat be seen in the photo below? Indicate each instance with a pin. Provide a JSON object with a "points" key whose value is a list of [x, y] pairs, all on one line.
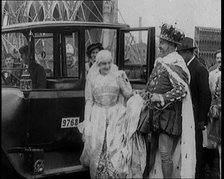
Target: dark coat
{"points": [[200, 92], [37, 75]]}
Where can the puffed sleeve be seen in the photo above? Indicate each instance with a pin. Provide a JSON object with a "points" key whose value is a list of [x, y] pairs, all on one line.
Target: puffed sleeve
{"points": [[124, 84], [176, 93]]}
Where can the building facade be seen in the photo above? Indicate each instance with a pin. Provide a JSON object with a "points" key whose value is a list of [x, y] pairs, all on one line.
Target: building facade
{"points": [[208, 41]]}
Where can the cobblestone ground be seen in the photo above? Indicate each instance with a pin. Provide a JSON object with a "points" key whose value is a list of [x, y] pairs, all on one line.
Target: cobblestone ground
{"points": [[211, 171]]}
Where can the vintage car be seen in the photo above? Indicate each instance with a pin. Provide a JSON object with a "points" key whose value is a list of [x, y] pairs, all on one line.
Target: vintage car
{"points": [[39, 130]]}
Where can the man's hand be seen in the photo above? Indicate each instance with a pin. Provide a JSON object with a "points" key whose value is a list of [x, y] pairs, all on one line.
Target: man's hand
{"points": [[155, 97]]}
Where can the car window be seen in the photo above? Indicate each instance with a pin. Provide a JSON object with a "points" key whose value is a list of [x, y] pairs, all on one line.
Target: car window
{"points": [[135, 54], [72, 61], [12, 66], [107, 37], [44, 52]]}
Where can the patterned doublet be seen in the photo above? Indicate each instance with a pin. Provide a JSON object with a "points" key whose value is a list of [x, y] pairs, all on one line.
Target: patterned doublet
{"points": [[161, 82]]}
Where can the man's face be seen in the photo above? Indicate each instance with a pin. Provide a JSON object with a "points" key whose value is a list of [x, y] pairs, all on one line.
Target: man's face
{"points": [[186, 54], [94, 53], [9, 62], [163, 47], [25, 58], [218, 59]]}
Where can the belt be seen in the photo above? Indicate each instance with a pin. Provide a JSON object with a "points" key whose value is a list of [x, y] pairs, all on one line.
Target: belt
{"points": [[105, 105]]}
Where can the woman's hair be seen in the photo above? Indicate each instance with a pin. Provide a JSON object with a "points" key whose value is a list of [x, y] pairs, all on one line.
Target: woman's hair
{"points": [[92, 47]]}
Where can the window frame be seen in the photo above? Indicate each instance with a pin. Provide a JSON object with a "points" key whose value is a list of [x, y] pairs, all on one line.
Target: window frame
{"points": [[150, 54]]}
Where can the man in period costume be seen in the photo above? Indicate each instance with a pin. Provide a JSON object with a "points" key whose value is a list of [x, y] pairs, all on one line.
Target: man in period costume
{"points": [[167, 94], [201, 98]]}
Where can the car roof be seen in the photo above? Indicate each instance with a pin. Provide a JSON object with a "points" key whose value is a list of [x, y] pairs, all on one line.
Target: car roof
{"points": [[59, 24]]}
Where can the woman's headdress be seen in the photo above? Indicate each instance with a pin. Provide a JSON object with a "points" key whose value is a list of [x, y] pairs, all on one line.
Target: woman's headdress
{"points": [[94, 70]]}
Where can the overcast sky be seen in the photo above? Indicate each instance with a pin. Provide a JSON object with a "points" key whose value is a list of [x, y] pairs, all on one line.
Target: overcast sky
{"points": [[186, 13]]}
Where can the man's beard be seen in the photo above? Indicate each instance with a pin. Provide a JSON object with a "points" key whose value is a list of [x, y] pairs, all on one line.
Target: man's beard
{"points": [[162, 53]]}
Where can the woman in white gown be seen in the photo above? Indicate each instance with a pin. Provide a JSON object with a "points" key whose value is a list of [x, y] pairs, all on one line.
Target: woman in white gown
{"points": [[106, 127]]}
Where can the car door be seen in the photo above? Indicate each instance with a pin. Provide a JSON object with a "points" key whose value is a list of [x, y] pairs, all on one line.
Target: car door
{"points": [[137, 54]]}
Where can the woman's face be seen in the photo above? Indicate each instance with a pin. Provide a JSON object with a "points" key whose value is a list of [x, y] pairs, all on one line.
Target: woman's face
{"points": [[94, 53], [25, 58], [69, 59], [105, 66]]}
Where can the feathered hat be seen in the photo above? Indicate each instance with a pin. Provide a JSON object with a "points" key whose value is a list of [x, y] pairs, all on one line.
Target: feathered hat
{"points": [[171, 34]]}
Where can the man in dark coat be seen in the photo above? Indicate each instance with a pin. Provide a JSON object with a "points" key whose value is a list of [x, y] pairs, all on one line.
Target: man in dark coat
{"points": [[201, 98], [37, 73]]}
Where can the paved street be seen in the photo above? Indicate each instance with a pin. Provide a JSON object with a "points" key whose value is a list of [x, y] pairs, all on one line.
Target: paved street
{"points": [[6, 174]]}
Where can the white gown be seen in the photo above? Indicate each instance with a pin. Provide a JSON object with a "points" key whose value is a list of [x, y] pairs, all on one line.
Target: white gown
{"points": [[104, 123]]}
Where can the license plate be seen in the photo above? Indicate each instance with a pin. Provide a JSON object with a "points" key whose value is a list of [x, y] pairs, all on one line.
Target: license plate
{"points": [[69, 122]]}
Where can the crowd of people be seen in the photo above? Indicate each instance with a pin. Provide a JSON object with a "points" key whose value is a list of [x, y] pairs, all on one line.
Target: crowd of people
{"points": [[159, 131]]}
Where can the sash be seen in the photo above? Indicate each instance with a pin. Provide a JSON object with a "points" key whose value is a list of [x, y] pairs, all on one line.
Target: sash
{"points": [[188, 148]]}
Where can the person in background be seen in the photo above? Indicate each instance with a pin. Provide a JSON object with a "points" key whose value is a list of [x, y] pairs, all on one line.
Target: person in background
{"points": [[91, 52], [201, 99], [16, 56], [8, 75], [9, 62], [17, 63], [213, 75], [214, 130], [215, 64], [36, 71], [168, 96], [71, 62]]}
